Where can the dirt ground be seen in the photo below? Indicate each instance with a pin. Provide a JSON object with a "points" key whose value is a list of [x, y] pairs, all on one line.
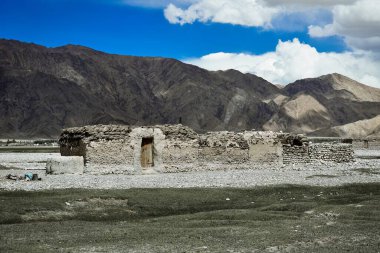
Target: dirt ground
{"points": [[262, 219]]}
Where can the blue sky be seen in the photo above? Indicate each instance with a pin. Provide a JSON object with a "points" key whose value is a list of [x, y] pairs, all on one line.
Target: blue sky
{"points": [[136, 30], [183, 31]]}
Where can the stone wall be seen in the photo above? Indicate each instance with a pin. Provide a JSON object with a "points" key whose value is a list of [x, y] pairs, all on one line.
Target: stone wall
{"points": [[317, 152], [295, 154], [331, 152]]}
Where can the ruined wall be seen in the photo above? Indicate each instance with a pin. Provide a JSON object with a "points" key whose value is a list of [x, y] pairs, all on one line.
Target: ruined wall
{"points": [[180, 155], [103, 146], [295, 154], [71, 143], [179, 148], [370, 144], [117, 149], [315, 153], [239, 150], [222, 149], [121, 153], [264, 147], [110, 156], [331, 152]]}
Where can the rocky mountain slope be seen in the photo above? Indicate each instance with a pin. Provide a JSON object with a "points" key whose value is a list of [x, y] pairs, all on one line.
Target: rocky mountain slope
{"points": [[312, 104], [357, 129], [43, 90]]}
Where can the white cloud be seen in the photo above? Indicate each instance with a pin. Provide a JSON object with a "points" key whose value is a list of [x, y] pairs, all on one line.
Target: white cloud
{"points": [[256, 13], [293, 60], [359, 24], [322, 31], [237, 12], [352, 19], [313, 3]]}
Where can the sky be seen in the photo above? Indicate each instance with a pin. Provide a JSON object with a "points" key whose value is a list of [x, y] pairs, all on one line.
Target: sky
{"points": [[281, 41]]}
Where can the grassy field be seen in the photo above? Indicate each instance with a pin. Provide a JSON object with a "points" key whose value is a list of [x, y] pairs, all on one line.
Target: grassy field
{"points": [[264, 219]]}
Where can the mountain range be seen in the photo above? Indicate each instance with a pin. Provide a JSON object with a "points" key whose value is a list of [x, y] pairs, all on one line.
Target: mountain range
{"points": [[43, 90]]}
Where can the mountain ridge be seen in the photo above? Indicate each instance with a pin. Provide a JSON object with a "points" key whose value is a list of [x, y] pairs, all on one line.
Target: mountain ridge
{"points": [[43, 90]]}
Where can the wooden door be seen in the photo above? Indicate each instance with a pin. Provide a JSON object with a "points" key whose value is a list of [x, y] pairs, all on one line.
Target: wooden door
{"points": [[147, 152]]}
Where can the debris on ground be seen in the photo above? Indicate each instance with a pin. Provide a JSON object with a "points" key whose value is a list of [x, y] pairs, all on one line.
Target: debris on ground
{"points": [[14, 177], [28, 177]]}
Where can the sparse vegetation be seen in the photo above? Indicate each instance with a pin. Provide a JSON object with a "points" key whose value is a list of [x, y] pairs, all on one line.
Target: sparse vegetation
{"points": [[322, 175], [281, 218], [370, 171], [29, 149]]}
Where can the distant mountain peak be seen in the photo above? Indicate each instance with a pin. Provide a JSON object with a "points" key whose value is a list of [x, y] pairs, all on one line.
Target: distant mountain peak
{"points": [[335, 85]]}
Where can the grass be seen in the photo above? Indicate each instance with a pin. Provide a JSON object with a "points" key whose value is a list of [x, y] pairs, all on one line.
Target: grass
{"points": [[322, 176], [280, 218]]}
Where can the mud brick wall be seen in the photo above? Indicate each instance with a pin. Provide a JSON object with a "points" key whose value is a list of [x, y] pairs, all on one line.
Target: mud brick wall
{"points": [[223, 148], [174, 148], [74, 147], [117, 149], [265, 147], [179, 155], [295, 154], [331, 152], [110, 156]]}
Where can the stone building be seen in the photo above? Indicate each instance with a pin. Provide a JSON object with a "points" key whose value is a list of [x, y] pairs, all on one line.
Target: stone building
{"points": [[174, 148]]}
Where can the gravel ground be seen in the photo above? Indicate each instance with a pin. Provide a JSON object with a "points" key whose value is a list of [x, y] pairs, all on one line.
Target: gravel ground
{"points": [[361, 171], [367, 153], [28, 161]]}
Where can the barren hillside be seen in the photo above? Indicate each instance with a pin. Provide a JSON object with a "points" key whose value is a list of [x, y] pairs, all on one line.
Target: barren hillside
{"points": [[43, 90], [358, 129]]}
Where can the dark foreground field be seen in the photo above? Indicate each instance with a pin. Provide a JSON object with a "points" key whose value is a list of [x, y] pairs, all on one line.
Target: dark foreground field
{"points": [[266, 219]]}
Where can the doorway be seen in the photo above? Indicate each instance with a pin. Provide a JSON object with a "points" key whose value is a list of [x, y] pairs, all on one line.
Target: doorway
{"points": [[147, 152]]}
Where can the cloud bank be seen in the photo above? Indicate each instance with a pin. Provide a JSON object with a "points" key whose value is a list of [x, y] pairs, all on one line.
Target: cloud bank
{"points": [[357, 21], [294, 60]]}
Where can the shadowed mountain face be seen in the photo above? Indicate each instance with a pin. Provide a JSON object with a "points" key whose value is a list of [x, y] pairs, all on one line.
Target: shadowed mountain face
{"points": [[43, 90]]}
